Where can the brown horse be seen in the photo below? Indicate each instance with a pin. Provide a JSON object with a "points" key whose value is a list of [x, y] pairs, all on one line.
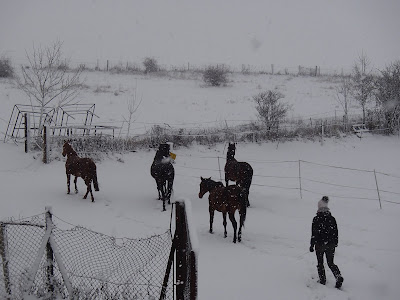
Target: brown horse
{"points": [[80, 167], [238, 171], [226, 200]]}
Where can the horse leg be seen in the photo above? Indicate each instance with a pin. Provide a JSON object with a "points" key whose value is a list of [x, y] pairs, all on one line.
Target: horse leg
{"points": [[224, 223], [68, 183], [211, 219], [169, 190], [161, 190], [76, 187], [234, 224], [240, 227], [89, 189], [89, 184]]}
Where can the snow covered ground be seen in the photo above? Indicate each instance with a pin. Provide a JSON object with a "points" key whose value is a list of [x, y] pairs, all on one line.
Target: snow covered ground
{"points": [[272, 261]]}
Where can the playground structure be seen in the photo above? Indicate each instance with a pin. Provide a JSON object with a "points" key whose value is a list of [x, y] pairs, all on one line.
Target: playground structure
{"points": [[72, 119]]}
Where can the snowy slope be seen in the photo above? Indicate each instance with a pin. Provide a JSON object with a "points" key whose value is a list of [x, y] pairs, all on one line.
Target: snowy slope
{"points": [[273, 261]]}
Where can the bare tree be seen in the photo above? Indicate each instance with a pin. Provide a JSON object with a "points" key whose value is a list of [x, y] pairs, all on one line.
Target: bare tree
{"points": [[388, 95], [133, 105], [363, 83], [47, 79], [343, 93], [363, 63], [270, 110]]}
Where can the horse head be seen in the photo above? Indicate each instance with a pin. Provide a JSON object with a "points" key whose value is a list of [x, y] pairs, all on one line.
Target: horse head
{"points": [[67, 149], [204, 186], [164, 149], [230, 154], [207, 185]]}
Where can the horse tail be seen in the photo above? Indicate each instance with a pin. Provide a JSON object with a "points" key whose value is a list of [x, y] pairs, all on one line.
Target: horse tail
{"points": [[95, 183], [249, 177], [170, 179], [243, 205]]}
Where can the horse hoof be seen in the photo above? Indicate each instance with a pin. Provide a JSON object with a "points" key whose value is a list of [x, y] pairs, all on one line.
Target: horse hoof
{"points": [[84, 197], [234, 241], [210, 231]]}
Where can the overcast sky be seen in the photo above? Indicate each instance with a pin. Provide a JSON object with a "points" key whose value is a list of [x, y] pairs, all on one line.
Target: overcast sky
{"points": [[327, 33]]}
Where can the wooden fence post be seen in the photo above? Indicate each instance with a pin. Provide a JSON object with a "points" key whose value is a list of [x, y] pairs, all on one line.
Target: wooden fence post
{"points": [[3, 253], [186, 277], [377, 189], [45, 144], [49, 253], [181, 268]]}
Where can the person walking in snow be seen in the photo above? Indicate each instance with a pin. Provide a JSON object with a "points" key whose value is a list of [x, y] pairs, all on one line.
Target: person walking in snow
{"points": [[324, 238]]}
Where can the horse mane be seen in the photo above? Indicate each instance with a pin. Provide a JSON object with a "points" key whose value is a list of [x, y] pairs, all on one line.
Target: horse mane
{"points": [[213, 184], [159, 155]]}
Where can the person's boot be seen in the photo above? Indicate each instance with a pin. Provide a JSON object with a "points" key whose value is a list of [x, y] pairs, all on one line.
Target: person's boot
{"points": [[321, 274], [339, 282]]}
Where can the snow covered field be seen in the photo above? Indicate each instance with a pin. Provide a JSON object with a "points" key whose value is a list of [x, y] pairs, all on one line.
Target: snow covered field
{"points": [[272, 261]]}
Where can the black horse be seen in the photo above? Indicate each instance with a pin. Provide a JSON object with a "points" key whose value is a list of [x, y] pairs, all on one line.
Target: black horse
{"points": [[163, 172], [241, 172]]}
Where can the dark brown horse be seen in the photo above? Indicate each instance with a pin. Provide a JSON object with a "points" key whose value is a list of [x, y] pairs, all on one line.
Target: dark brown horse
{"points": [[80, 167], [238, 171], [226, 200], [163, 172]]}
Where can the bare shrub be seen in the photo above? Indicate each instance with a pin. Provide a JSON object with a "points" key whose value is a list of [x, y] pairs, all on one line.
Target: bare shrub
{"points": [[270, 110]]}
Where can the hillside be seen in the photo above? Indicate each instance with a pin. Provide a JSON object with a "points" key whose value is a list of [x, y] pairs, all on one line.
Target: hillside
{"points": [[164, 98]]}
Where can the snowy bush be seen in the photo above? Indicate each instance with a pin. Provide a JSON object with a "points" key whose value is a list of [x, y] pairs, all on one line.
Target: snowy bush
{"points": [[215, 76], [6, 70], [150, 65]]}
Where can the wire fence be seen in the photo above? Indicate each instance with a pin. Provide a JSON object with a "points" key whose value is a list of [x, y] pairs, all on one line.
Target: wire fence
{"points": [[302, 176], [83, 264]]}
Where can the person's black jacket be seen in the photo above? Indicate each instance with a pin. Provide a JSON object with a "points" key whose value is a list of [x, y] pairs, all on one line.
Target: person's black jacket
{"points": [[324, 229]]}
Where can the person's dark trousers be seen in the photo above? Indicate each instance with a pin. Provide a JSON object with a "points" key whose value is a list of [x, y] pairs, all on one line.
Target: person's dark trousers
{"points": [[329, 251]]}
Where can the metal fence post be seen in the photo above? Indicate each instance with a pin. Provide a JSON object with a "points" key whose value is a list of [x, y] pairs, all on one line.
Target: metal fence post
{"points": [[27, 133], [377, 189], [219, 169], [301, 194]]}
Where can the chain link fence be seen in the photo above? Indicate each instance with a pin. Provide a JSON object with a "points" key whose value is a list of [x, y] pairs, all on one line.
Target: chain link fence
{"points": [[77, 263]]}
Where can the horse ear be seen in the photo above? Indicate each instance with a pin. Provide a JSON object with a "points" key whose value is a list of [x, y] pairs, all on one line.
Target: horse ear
{"points": [[202, 179]]}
